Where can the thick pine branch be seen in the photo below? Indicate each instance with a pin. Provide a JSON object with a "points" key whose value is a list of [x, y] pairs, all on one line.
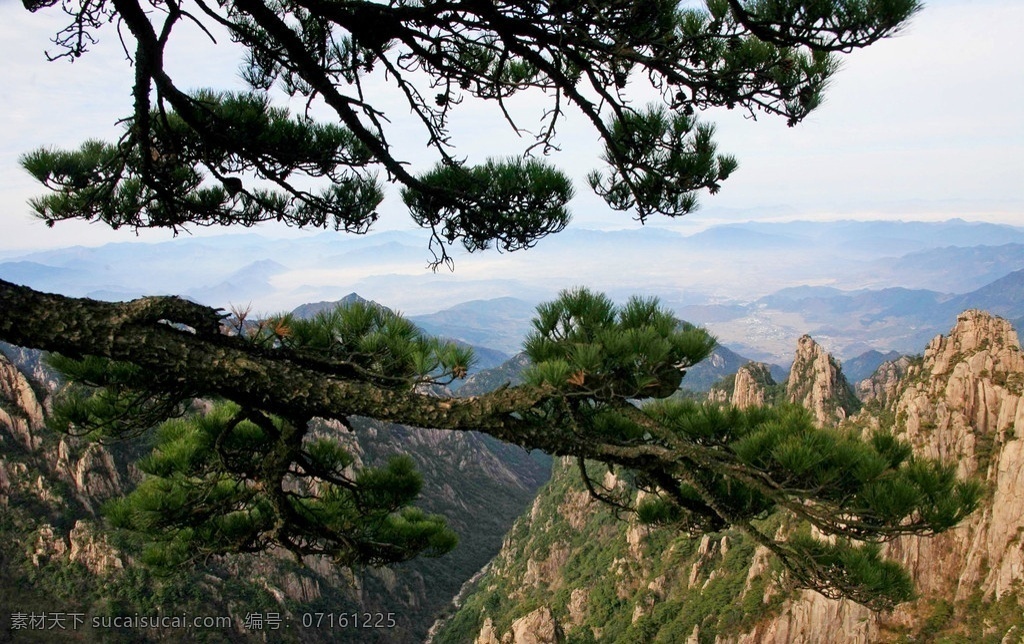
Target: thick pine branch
{"points": [[141, 332]]}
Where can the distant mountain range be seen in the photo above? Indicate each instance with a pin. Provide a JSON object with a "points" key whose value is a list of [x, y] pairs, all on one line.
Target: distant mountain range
{"points": [[728, 262], [501, 323], [851, 322], [855, 285]]}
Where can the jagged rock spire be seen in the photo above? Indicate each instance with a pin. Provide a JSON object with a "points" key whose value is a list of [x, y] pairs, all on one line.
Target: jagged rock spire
{"points": [[817, 383], [750, 388], [884, 385], [24, 413]]}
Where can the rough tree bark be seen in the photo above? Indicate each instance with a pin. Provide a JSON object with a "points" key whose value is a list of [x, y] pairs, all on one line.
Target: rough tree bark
{"points": [[211, 363]]}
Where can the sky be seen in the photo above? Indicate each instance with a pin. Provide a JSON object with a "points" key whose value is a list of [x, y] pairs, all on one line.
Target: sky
{"points": [[926, 125]]}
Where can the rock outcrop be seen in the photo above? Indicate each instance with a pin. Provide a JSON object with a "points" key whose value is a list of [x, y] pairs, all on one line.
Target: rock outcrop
{"points": [[20, 409], [91, 471], [883, 386], [538, 627], [816, 382], [962, 403], [750, 386], [90, 547], [812, 619], [965, 405]]}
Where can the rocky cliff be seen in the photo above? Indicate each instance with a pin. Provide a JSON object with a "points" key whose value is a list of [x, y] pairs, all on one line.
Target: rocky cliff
{"points": [[751, 386], [581, 575], [962, 403], [816, 382], [882, 387], [20, 409]]}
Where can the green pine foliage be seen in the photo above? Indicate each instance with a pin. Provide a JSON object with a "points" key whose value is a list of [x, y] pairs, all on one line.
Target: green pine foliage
{"points": [[238, 584], [215, 157], [660, 153], [183, 176], [583, 342], [109, 400], [508, 203], [734, 466], [232, 479], [246, 475], [203, 496], [364, 339]]}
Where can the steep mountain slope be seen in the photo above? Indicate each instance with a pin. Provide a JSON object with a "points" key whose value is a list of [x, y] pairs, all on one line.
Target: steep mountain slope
{"points": [[1004, 297], [499, 323], [571, 571]]}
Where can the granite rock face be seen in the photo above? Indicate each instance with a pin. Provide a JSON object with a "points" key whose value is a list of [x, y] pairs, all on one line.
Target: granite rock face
{"points": [[883, 386], [749, 387], [539, 627], [817, 383], [20, 409], [965, 405]]}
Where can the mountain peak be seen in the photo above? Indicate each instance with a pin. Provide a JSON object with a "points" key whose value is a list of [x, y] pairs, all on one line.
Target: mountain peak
{"points": [[307, 311], [974, 331], [751, 386], [817, 383]]}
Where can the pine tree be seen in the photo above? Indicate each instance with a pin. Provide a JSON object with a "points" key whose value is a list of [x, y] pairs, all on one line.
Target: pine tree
{"points": [[249, 474]]}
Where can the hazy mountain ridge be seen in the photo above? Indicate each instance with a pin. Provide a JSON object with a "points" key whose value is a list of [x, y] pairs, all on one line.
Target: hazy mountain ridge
{"points": [[735, 261], [500, 323], [850, 323], [866, 364], [928, 269], [757, 286]]}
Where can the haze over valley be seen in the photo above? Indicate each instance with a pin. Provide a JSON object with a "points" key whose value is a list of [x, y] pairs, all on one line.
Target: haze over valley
{"points": [[854, 285]]}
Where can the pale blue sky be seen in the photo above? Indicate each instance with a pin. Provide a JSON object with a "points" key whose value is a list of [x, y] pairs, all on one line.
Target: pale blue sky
{"points": [[923, 126]]}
